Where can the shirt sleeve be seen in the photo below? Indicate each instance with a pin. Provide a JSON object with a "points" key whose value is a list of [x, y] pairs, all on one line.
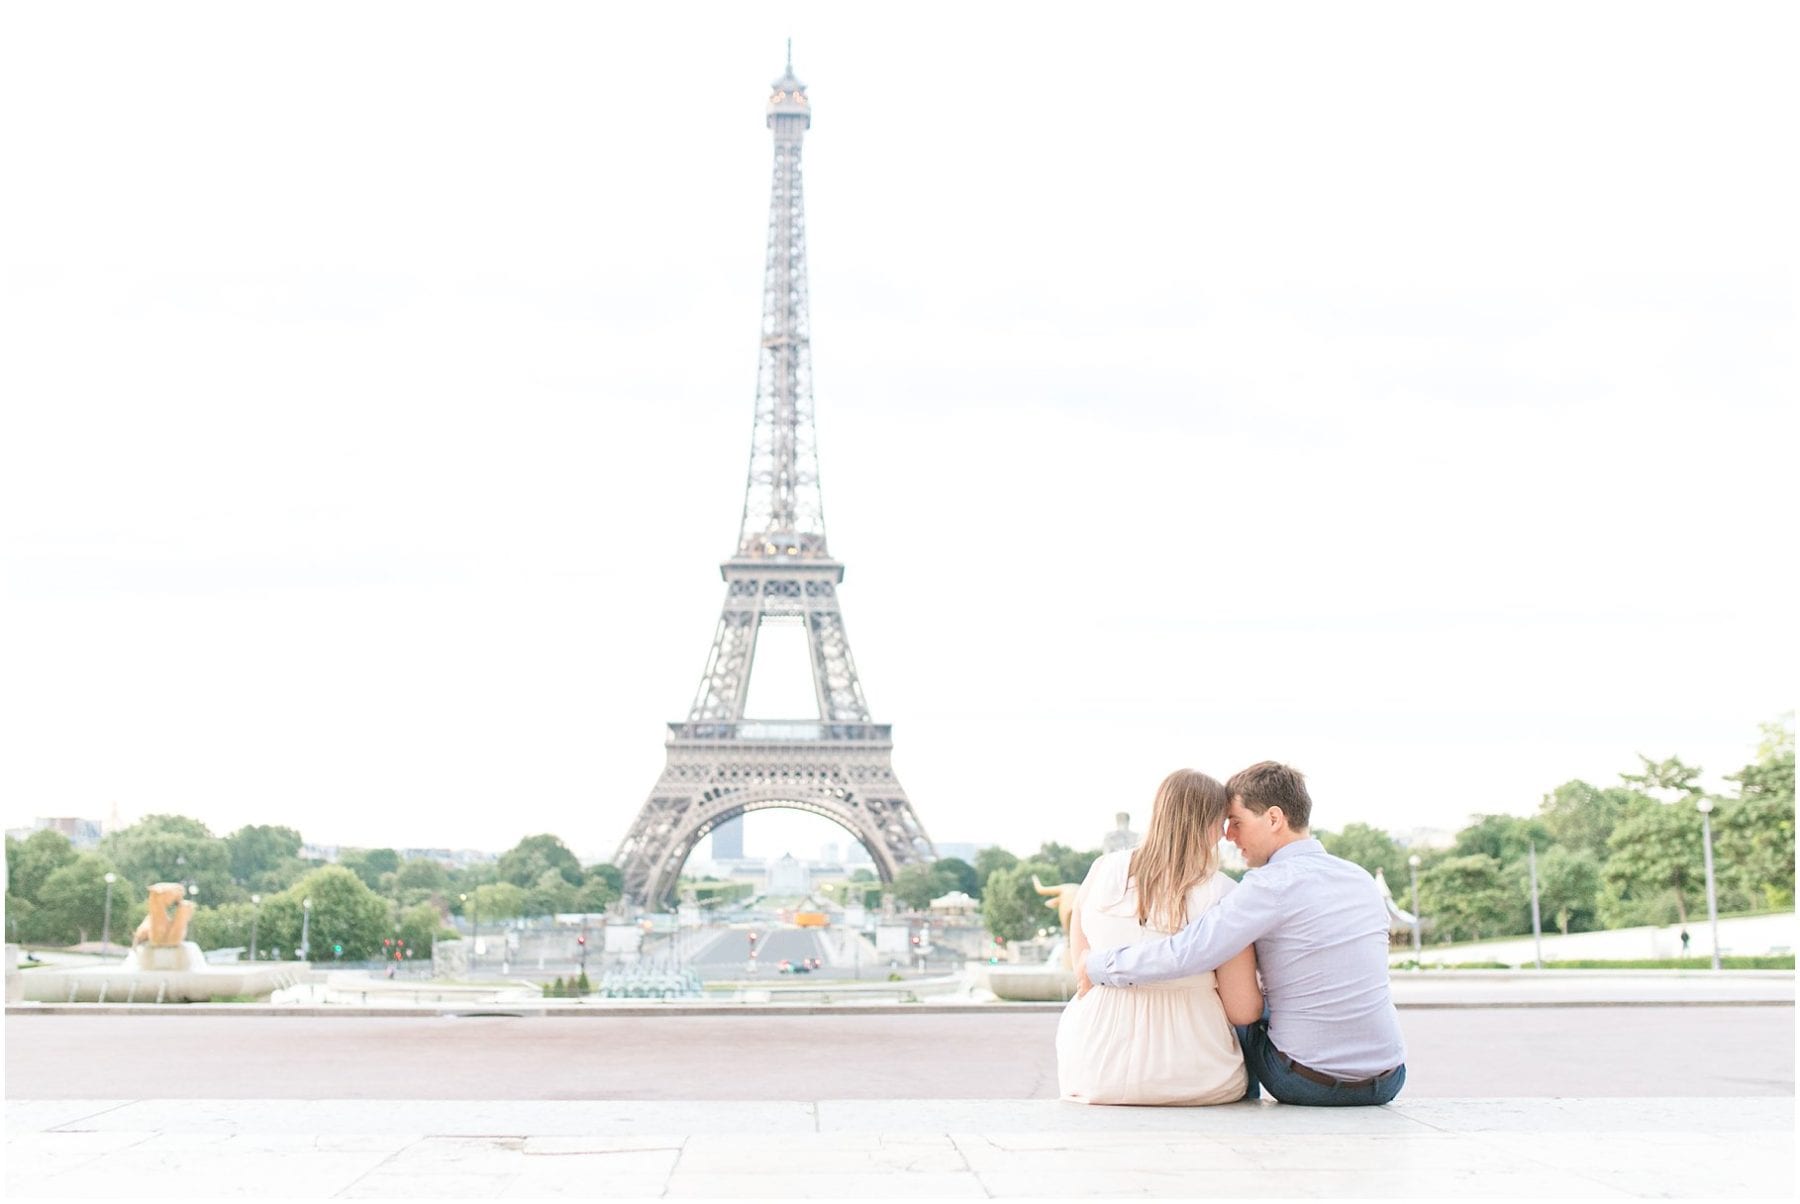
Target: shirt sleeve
{"points": [[1208, 942]]}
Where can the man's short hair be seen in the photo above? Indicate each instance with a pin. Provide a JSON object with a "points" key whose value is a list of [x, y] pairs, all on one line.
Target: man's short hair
{"points": [[1271, 784]]}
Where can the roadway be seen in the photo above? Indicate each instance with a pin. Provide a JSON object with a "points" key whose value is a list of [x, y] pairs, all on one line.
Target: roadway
{"points": [[1468, 1052], [726, 953]]}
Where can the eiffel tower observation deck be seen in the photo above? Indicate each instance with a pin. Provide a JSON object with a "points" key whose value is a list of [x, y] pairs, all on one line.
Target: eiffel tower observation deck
{"points": [[836, 763]]}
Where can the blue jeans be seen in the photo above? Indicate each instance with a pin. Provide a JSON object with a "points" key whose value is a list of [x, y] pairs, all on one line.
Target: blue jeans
{"points": [[1268, 1067]]}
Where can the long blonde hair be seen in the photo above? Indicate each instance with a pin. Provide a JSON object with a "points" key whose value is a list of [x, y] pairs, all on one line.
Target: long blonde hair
{"points": [[1180, 849]]}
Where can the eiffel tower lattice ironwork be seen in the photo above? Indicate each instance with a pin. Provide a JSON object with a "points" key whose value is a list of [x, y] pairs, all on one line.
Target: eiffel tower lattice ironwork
{"points": [[720, 765]]}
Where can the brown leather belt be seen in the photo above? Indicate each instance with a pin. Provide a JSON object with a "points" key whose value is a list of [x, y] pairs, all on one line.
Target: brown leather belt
{"points": [[1325, 1080]]}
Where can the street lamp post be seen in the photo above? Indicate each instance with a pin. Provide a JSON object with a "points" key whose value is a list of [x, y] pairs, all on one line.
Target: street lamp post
{"points": [[106, 914], [1412, 863], [255, 915], [1712, 894], [306, 930], [474, 929], [1537, 925]]}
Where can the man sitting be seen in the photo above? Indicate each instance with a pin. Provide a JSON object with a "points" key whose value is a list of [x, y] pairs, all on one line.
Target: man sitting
{"points": [[1330, 1035]]}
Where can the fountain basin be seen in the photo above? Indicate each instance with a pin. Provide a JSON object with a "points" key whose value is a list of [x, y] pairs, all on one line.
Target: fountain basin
{"points": [[1028, 984], [152, 974]]}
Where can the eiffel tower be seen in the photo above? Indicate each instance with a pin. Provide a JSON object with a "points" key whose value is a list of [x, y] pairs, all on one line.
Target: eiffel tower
{"points": [[720, 765]]}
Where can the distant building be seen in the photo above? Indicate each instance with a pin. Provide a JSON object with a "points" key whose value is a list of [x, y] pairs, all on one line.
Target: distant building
{"points": [[448, 858], [452, 859], [788, 877], [962, 850], [728, 840], [82, 833], [956, 904], [1425, 838]]}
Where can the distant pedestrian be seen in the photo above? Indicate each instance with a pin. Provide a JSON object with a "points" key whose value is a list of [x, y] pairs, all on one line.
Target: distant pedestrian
{"points": [[1684, 942]]}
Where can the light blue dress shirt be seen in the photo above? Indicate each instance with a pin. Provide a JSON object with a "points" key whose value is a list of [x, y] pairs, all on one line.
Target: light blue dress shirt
{"points": [[1321, 936]]}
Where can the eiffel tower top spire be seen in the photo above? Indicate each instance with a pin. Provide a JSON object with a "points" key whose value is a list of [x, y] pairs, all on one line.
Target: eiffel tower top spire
{"points": [[784, 511]]}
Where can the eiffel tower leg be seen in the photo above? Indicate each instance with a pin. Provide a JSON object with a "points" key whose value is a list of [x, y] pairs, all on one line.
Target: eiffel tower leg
{"points": [[710, 779], [834, 670]]}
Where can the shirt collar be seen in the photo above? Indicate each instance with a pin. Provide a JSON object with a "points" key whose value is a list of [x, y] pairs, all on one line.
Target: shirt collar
{"points": [[1300, 848]]}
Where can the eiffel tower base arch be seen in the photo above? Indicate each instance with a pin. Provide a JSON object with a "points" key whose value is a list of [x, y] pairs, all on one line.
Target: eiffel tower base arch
{"points": [[846, 776]]}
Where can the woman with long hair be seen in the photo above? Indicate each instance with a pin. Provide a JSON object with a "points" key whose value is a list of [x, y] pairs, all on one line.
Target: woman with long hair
{"points": [[1166, 1042]]}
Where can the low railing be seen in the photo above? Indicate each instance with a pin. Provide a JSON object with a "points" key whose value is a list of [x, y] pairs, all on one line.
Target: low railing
{"points": [[782, 729]]}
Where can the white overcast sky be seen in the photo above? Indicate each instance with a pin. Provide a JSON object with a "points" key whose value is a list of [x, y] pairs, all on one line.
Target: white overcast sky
{"points": [[1402, 391]]}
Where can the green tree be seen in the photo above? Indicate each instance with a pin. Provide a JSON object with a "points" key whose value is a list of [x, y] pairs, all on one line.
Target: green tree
{"points": [[987, 861], [370, 865], [1580, 817], [596, 894], [1669, 781], [257, 850], [419, 926], [499, 901], [1654, 858], [525, 863], [550, 894], [20, 927], [609, 874], [958, 874], [174, 848], [72, 903], [465, 878], [226, 926], [1066, 864], [344, 912], [1371, 848], [916, 886], [30, 862], [1011, 908], [1467, 898], [1755, 830], [283, 875], [421, 873], [1505, 838], [1569, 888]]}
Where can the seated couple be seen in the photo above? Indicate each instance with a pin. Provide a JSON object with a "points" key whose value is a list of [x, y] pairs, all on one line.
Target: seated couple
{"points": [[1168, 953]]}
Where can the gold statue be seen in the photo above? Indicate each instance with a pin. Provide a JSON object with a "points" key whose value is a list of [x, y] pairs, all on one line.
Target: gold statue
{"points": [[162, 929]]}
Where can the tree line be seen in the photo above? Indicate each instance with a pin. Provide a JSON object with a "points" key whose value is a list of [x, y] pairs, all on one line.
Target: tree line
{"points": [[1608, 856], [1611, 856], [256, 877], [1617, 855]]}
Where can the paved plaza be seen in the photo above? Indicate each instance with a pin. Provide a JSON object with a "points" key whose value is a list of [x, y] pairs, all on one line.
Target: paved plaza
{"points": [[845, 1054], [1575, 1087], [884, 1149]]}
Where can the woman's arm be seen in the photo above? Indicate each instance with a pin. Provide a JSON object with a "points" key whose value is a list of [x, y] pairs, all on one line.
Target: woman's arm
{"points": [[1238, 990], [1078, 942]]}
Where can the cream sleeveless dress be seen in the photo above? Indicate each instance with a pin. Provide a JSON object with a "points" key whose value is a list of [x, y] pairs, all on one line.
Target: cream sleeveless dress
{"points": [[1155, 1043]]}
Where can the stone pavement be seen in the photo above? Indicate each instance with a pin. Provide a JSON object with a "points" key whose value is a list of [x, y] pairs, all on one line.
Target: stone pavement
{"points": [[929, 1149]]}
